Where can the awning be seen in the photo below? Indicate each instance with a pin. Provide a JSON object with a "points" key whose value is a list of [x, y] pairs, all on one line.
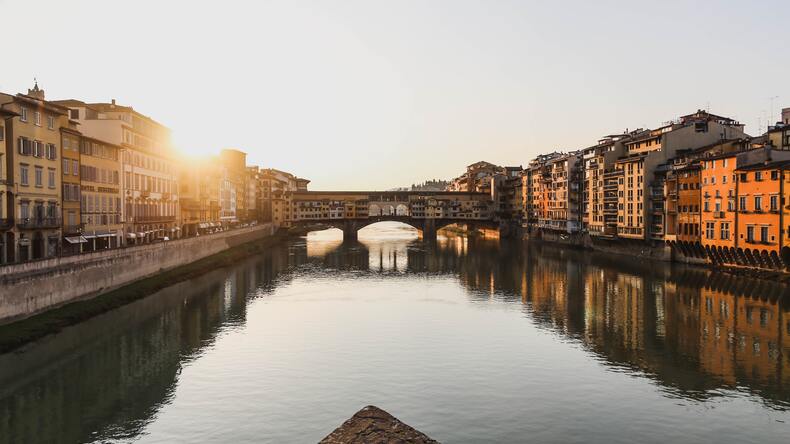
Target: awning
{"points": [[140, 234], [89, 236], [76, 239], [131, 235], [106, 235]]}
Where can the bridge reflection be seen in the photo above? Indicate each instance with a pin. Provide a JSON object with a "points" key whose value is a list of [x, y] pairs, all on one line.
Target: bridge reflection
{"points": [[693, 331]]}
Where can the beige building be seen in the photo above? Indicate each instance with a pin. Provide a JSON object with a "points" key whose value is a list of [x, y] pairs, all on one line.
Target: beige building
{"points": [[598, 161], [149, 166], [644, 152], [33, 177], [276, 196]]}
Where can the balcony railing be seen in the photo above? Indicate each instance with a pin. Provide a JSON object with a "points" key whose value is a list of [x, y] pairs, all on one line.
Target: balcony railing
{"points": [[38, 222], [6, 223], [147, 219]]}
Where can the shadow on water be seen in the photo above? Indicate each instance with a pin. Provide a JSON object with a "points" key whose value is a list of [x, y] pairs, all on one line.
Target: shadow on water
{"points": [[692, 331]]}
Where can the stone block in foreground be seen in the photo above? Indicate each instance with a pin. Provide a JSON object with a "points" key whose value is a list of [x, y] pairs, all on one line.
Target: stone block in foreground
{"points": [[371, 425]]}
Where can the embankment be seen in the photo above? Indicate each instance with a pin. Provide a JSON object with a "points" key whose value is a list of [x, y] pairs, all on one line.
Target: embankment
{"points": [[40, 298]]}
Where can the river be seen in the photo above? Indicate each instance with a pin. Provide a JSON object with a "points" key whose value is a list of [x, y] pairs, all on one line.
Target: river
{"points": [[468, 340]]}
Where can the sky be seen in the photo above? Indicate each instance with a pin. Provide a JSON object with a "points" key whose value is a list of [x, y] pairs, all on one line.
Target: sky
{"points": [[371, 95]]}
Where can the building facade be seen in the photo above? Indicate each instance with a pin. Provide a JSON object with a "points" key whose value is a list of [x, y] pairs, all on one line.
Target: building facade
{"points": [[33, 175], [101, 200], [149, 167]]}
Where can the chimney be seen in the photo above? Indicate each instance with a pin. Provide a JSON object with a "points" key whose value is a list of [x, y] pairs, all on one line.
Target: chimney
{"points": [[112, 103]]}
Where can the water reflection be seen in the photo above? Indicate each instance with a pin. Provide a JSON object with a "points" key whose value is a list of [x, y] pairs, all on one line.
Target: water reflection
{"points": [[695, 332]]}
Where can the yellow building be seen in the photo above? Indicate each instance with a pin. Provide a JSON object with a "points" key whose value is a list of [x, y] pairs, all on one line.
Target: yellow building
{"points": [[199, 188], [33, 192], [101, 194], [6, 188]]}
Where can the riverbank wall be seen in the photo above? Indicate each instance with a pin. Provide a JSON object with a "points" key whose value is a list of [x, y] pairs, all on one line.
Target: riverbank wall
{"points": [[34, 287], [722, 259]]}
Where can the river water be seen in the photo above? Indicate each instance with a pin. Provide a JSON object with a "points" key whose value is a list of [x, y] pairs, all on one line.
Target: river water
{"points": [[468, 340]]}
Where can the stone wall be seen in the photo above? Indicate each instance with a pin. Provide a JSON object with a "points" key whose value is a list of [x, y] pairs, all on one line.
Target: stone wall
{"points": [[33, 287]]}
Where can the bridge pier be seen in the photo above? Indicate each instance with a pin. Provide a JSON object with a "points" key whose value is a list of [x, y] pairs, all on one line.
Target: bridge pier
{"points": [[350, 230], [429, 231]]}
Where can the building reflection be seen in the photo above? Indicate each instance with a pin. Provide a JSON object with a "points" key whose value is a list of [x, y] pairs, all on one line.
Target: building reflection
{"points": [[693, 331]]}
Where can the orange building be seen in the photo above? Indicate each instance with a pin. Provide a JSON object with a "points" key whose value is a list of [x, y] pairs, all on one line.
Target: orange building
{"points": [[760, 188], [718, 215]]}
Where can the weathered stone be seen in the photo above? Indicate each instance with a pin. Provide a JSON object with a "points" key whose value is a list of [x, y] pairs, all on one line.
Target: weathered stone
{"points": [[371, 425]]}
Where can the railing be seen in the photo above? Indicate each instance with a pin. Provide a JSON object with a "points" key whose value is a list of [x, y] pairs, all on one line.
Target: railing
{"points": [[145, 219], [41, 222], [6, 223], [718, 214], [70, 229]]}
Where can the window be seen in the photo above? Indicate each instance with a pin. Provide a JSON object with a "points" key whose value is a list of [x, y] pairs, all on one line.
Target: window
{"points": [[764, 234], [66, 164], [39, 176], [75, 170], [37, 118], [758, 203], [725, 230], [758, 175], [51, 177], [742, 203], [744, 177], [774, 203], [74, 114], [24, 210], [50, 122], [713, 180], [774, 175], [2, 132], [724, 162], [750, 233], [723, 179], [52, 152], [23, 115], [718, 206], [706, 206], [710, 227], [731, 205], [23, 175]]}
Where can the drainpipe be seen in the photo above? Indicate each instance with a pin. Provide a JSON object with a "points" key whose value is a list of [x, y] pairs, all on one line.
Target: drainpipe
{"points": [[781, 209], [737, 201]]}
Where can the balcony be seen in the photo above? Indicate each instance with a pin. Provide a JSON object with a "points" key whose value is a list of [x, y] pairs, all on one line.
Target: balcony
{"points": [[41, 222], [145, 193], [718, 214], [6, 224], [71, 229], [153, 219]]}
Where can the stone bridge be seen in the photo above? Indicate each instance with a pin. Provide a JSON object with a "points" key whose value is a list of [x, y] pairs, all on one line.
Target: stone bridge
{"points": [[427, 211]]}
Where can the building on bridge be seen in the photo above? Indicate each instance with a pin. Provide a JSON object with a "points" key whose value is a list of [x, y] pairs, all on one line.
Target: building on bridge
{"points": [[425, 210]]}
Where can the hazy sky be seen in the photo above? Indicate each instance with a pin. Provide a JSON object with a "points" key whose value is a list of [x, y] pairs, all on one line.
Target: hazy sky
{"points": [[374, 94]]}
